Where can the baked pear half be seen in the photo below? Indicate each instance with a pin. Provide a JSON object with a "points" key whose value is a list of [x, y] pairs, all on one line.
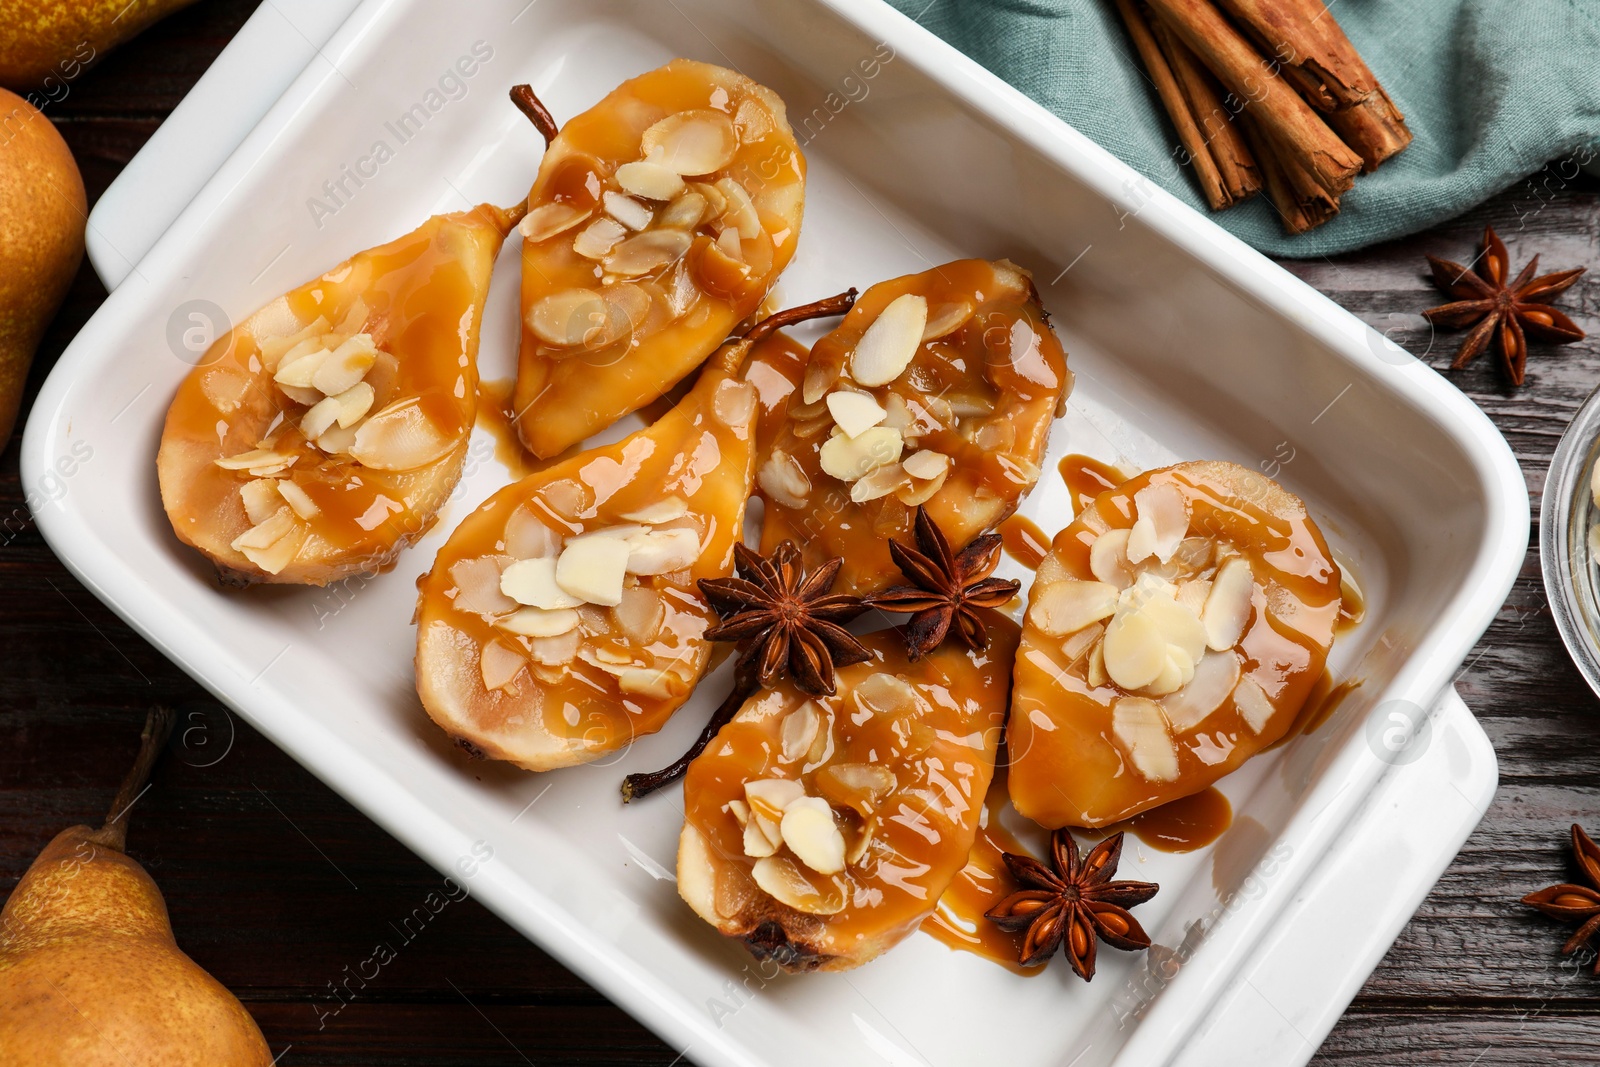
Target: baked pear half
{"points": [[321, 435], [820, 831], [1174, 631], [660, 219], [937, 389]]}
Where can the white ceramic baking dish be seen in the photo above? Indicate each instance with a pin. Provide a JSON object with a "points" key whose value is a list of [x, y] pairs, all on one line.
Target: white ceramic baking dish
{"points": [[1185, 342]]}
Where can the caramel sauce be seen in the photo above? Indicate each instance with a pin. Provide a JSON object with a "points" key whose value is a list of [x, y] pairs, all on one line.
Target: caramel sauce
{"points": [[1324, 700], [777, 363], [562, 706], [643, 332], [1061, 727], [1087, 477], [423, 299], [937, 739], [1182, 825], [1024, 541], [984, 394], [1352, 602], [958, 921], [495, 419]]}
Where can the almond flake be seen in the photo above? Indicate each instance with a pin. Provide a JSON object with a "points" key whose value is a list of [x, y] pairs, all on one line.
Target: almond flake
{"points": [[812, 835], [297, 498], [849, 458], [783, 480], [626, 210], [663, 510], [926, 464], [261, 499], [946, 319], [1227, 609], [782, 881], [499, 665], [881, 693], [346, 365], [264, 534], [879, 483], [799, 730], [854, 412], [769, 796], [658, 684], [592, 569], [741, 212], [650, 180], [477, 582], [645, 253], [319, 418], [1108, 559], [533, 582], [539, 622], [1141, 729], [696, 141], [734, 404], [339, 439], [684, 213], [354, 403], [1162, 524], [1064, 608], [259, 457], [1254, 706], [1135, 651], [639, 614], [1214, 678], [401, 437], [299, 371], [756, 843], [547, 220], [887, 346], [598, 238], [661, 551]]}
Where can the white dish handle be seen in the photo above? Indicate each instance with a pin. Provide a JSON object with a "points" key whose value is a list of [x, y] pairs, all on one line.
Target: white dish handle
{"points": [[247, 78], [1410, 829]]}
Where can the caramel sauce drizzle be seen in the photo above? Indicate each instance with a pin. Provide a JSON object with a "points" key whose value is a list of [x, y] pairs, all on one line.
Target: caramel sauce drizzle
{"points": [[1024, 541]]}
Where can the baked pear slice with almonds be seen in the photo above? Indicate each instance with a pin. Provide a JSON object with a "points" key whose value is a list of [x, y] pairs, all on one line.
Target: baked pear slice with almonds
{"points": [[660, 219], [1175, 630], [937, 389], [321, 435], [820, 831], [562, 618]]}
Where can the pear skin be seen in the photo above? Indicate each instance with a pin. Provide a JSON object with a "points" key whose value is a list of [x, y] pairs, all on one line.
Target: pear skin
{"points": [[90, 973], [38, 41], [42, 213]]}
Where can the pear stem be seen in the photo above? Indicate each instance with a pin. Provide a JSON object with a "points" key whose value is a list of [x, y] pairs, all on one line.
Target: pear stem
{"points": [[157, 728], [817, 309], [531, 106]]}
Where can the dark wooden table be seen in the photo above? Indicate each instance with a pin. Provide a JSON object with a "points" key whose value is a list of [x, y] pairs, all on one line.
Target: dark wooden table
{"points": [[239, 836]]}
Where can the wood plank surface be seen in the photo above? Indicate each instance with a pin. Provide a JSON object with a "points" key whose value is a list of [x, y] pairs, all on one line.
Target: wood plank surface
{"points": [[278, 887]]}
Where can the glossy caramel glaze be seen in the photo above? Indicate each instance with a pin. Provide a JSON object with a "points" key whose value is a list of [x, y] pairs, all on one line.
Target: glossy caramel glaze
{"points": [[622, 670], [1024, 541], [1087, 477], [1069, 765], [936, 745], [644, 331], [984, 393], [420, 298], [1183, 825]]}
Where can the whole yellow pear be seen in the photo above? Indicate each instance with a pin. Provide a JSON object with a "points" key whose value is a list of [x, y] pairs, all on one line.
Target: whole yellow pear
{"points": [[46, 43], [90, 975], [42, 216]]}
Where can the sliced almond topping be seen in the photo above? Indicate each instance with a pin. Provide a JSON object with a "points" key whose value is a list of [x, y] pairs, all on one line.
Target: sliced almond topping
{"points": [[741, 212], [734, 404], [782, 881], [1094, 672], [818, 380], [684, 213], [1082, 641], [926, 464], [354, 403], [278, 555], [756, 843], [547, 220], [598, 238], [753, 120], [593, 568], [920, 491], [854, 412], [556, 651], [645, 253], [849, 458], [662, 551], [1253, 704], [261, 499], [301, 394], [664, 510], [265, 534], [946, 319], [639, 614], [1135, 651], [728, 242], [783, 480], [1214, 678], [769, 796], [654, 682], [1175, 672], [1141, 729], [886, 348], [527, 537], [879, 483], [799, 730], [767, 825], [1192, 595], [322, 415], [1178, 625], [302, 369], [401, 437], [346, 366], [881, 693], [626, 210], [338, 439], [275, 349], [692, 142], [539, 622], [1108, 559], [1066, 607], [858, 786], [650, 180], [533, 582], [297, 498], [478, 591], [499, 664], [739, 810], [1227, 609], [255, 458], [1162, 524], [812, 835]]}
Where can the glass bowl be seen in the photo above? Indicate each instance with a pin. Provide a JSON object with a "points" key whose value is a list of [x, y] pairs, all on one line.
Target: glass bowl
{"points": [[1566, 516]]}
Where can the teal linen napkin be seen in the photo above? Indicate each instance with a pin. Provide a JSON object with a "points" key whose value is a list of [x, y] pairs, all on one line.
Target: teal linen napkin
{"points": [[1491, 89]]}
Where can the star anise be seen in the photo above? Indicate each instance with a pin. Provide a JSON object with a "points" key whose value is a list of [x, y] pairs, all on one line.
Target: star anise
{"points": [[1074, 905], [1505, 312], [782, 617], [1575, 903], [949, 587]]}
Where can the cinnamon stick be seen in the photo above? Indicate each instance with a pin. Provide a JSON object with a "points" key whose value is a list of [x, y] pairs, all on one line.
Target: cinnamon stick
{"points": [[1375, 128], [1302, 204], [1309, 149], [1232, 155], [1218, 194]]}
